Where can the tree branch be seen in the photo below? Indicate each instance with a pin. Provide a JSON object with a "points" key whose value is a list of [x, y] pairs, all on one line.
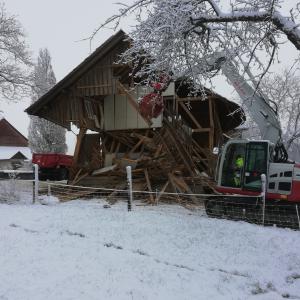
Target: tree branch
{"points": [[282, 23]]}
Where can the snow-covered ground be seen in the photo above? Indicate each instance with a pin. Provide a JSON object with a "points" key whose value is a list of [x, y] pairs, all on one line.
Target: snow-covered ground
{"points": [[81, 250]]}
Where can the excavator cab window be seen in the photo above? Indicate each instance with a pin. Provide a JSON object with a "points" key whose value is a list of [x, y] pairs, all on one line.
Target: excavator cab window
{"points": [[233, 166], [256, 164]]}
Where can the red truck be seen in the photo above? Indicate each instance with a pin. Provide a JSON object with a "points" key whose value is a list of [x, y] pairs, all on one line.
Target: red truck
{"points": [[52, 166]]}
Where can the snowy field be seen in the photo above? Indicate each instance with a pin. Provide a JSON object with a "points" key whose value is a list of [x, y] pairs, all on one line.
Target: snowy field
{"points": [[81, 250]]}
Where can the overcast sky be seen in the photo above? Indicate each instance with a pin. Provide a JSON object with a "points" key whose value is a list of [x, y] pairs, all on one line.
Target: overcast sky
{"points": [[58, 25]]}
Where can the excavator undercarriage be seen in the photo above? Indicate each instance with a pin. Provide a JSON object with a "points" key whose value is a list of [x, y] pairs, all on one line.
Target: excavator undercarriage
{"points": [[254, 210]]}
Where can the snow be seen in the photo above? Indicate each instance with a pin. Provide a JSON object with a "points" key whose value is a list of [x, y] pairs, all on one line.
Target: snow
{"points": [[48, 200], [7, 152], [82, 250]]}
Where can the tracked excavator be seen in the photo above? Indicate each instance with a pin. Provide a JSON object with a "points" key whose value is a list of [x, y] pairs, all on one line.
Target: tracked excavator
{"points": [[242, 162]]}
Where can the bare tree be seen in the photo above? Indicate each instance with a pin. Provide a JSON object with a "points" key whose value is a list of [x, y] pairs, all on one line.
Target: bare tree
{"points": [[179, 34], [14, 56]]}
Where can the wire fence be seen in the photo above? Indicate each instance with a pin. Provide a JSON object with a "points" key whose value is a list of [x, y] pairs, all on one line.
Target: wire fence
{"points": [[234, 207], [14, 190], [19, 185]]}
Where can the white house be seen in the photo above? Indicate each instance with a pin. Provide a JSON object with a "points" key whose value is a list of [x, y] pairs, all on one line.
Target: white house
{"points": [[14, 150]]}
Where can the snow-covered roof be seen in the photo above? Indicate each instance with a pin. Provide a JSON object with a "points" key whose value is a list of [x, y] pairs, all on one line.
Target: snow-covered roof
{"points": [[9, 152]]}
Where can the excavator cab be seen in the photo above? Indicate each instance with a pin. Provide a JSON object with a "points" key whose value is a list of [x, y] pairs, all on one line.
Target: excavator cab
{"points": [[242, 163]]}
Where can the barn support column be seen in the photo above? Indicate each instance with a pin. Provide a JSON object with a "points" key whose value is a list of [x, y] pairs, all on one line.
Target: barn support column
{"points": [[80, 136]]}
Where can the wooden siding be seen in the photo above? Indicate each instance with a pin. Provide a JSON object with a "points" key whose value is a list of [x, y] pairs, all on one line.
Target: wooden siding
{"points": [[119, 113], [100, 80]]}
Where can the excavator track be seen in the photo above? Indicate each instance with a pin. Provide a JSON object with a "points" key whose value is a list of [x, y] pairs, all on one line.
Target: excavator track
{"points": [[253, 210]]}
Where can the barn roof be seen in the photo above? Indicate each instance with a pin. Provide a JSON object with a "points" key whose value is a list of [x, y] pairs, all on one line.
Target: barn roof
{"points": [[81, 69], [50, 106]]}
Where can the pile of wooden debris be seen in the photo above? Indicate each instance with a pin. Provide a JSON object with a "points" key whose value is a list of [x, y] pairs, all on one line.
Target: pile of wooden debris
{"points": [[165, 159]]}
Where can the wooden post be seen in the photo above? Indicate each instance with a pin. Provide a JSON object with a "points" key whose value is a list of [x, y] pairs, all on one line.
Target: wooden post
{"points": [[263, 194], [129, 182], [297, 211], [149, 185], [211, 124], [190, 115], [48, 188], [36, 183], [80, 136]]}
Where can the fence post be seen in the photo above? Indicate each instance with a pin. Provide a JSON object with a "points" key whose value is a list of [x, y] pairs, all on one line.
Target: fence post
{"points": [[48, 188], [298, 215], [36, 183], [129, 182], [263, 194]]}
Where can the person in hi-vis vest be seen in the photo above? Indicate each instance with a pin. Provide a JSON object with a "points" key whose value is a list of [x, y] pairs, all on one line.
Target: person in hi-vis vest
{"points": [[239, 164]]}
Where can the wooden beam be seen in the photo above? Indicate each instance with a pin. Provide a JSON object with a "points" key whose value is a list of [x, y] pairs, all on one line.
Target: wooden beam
{"points": [[119, 186], [149, 185], [79, 178], [132, 102], [80, 136], [190, 115], [117, 148], [175, 187], [101, 116], [187, 99], [188, 162], [202, 160], [201, 130], [93, 86], [139, 143], [161, 192], [112, 146], [180, 182], [157, 152], [76, 176]]}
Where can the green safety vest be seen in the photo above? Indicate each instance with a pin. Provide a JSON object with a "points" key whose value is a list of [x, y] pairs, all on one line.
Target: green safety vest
{"points": [[239, 162]]}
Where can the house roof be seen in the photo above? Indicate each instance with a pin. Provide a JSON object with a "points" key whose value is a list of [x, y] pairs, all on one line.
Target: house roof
{"points": [[14, 152], [82, 68], [10, 136]]}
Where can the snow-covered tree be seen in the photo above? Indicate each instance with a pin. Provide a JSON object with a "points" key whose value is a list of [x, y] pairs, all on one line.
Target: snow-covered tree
{"points": [[284, 90], [44, 136], [14, 57], [181, 34]]}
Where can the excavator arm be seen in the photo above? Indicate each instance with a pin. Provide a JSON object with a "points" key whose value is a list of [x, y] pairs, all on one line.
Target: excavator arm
{"points": [[258, 106]]}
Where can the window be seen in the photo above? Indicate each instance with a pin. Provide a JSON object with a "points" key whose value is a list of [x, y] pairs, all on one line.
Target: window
{"points": [[256, 164], [284, 186], [272, 185], [232, 170]]}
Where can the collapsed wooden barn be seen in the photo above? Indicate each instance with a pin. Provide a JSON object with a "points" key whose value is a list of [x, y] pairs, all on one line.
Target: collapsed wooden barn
{"points": [[171, 152]]}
